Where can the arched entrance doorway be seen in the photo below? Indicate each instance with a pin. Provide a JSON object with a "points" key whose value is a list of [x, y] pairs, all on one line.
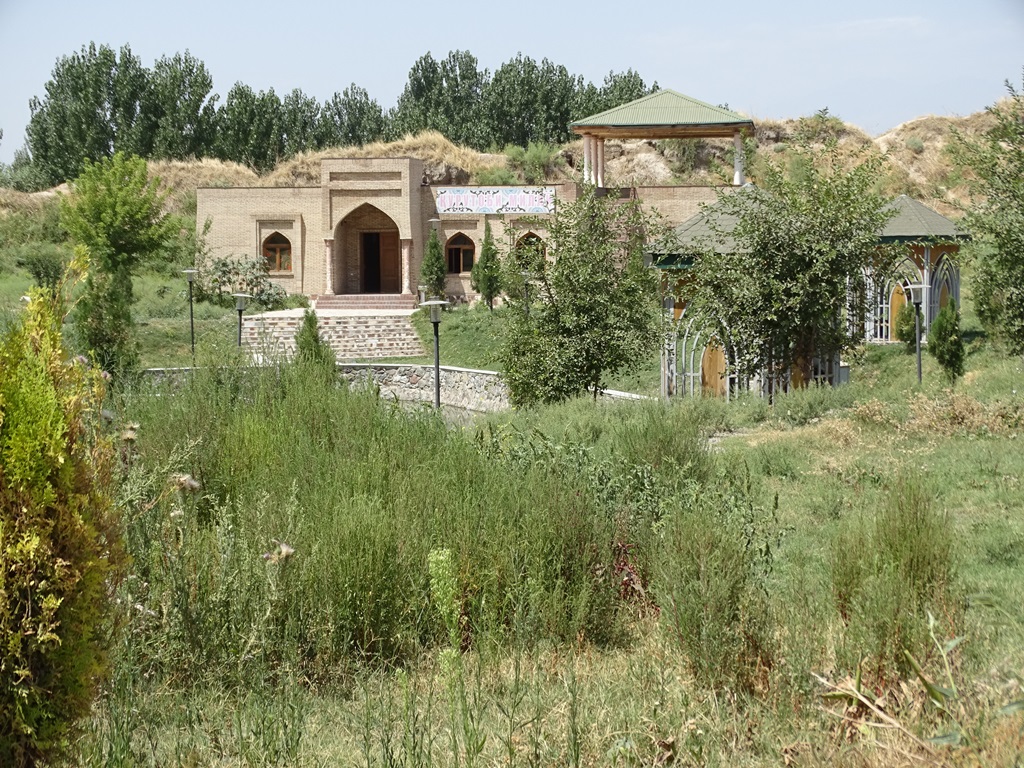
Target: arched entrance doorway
{"points": [[368, 254]]}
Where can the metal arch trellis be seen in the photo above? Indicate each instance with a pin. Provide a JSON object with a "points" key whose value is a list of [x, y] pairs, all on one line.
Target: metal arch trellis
{"points": [[944, 274], [685, 359], [906, 273]]}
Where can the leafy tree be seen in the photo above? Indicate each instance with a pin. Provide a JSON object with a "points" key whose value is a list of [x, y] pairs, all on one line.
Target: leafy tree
{"points": [[443, 96], [250, 128], [997, 219], [591, 306], [776, 274], [183, 111], [621, 88], [946, 343], [60, 554], [300, 123], [94, 106], [352, 118], [115, 211], [434, 270], [486, 275]]}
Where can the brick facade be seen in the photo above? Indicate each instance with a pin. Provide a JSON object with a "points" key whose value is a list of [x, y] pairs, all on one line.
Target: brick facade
{"points": [[386, 198]]}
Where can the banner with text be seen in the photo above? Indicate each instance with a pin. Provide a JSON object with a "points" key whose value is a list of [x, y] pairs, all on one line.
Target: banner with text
{"points": [[496, 200]]}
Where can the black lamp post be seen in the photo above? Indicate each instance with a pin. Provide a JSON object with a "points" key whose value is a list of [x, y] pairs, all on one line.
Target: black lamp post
{"points": [[240, 300], [526, 291], [435, 306], [916, 292], [190, 275]]}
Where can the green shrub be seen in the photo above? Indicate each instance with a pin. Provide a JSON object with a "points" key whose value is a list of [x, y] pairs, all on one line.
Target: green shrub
{"points": [[946, 343], [536, 162], [309, 347], [904, 328], [915, 145], [220, 277], [59, 544], [32, 225], [495, 177], [46, 262], [711, 584], [887, 573]]}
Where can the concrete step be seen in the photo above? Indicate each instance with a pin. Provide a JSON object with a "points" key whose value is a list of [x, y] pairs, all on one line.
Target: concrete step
{"points": [[366, 301]]}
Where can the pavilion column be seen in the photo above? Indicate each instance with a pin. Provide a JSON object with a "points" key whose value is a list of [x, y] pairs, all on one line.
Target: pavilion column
{"points": [[926, 279], [600, 162], [588, 159], [329, 265], [406, 266], [738, 177]]}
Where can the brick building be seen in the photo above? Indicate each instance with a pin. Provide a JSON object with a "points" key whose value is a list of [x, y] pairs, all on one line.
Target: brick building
{"points": [[364, 228]]}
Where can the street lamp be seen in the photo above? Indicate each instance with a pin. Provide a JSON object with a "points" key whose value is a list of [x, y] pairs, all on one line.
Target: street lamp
{"points": [[916, 293], [240, 300], [190, 275], [526, 291], [435, 306]]}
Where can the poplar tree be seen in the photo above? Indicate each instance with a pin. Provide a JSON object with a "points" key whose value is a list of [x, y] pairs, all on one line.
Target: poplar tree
{"points": [[486, 275]]}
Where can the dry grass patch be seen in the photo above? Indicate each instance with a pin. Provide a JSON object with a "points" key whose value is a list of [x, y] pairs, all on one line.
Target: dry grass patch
{"points": [[446, 163]]}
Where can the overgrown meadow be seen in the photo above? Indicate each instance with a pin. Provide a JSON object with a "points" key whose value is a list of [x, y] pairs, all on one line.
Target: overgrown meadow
{"points": [[322, 577]]}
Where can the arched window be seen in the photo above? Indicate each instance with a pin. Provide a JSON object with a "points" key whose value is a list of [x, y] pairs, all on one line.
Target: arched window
{"points": [[277, 250], [532, 243], [460, 254]]}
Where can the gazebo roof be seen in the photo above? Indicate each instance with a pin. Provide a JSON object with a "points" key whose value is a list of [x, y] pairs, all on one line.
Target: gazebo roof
{"points": [[912, 222], [915, 221], [664, 114]]}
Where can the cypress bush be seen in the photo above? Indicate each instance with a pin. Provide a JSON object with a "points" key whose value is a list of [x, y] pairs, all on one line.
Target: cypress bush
{"points": [[59, 542], [309, 347], [434, 270], [946, 343], [903, 327]]}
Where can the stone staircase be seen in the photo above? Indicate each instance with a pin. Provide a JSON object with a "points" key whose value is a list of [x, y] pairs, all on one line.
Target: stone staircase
{"points": [[353, 335], [366, 301]]}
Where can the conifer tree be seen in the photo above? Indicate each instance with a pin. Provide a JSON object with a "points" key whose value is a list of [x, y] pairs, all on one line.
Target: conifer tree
{"points": [[434, 271], [946, 343], [486, 275]]}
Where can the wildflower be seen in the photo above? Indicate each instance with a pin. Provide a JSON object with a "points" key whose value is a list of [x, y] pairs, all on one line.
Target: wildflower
{"points": [[186, 482], [282, 553]]}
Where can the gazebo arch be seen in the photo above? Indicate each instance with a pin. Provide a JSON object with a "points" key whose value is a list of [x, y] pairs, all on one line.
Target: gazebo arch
{"points": [[664, 114]]}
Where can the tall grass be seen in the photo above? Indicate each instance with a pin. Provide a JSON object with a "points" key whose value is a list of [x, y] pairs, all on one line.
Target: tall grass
{"points": [[305, 546], [887, 574]]}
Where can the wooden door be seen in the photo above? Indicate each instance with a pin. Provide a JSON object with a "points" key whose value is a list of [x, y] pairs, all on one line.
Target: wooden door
{"points": [[712, 371], [896, 303], [390, 263]]}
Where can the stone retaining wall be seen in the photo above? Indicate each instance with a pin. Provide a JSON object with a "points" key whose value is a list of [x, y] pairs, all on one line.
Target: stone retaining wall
{"points": [[472, 390], [465, 388]]}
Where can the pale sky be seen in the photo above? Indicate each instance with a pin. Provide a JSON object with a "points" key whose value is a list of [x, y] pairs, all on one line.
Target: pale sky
{"points": [[874, 63]]}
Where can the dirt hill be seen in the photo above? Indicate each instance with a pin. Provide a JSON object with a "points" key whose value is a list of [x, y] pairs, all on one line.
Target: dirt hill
{"points": [[917, 161]]}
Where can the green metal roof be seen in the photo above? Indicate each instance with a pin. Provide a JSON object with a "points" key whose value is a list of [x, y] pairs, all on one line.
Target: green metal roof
{"points": [[664, 108], [915, 221]]}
